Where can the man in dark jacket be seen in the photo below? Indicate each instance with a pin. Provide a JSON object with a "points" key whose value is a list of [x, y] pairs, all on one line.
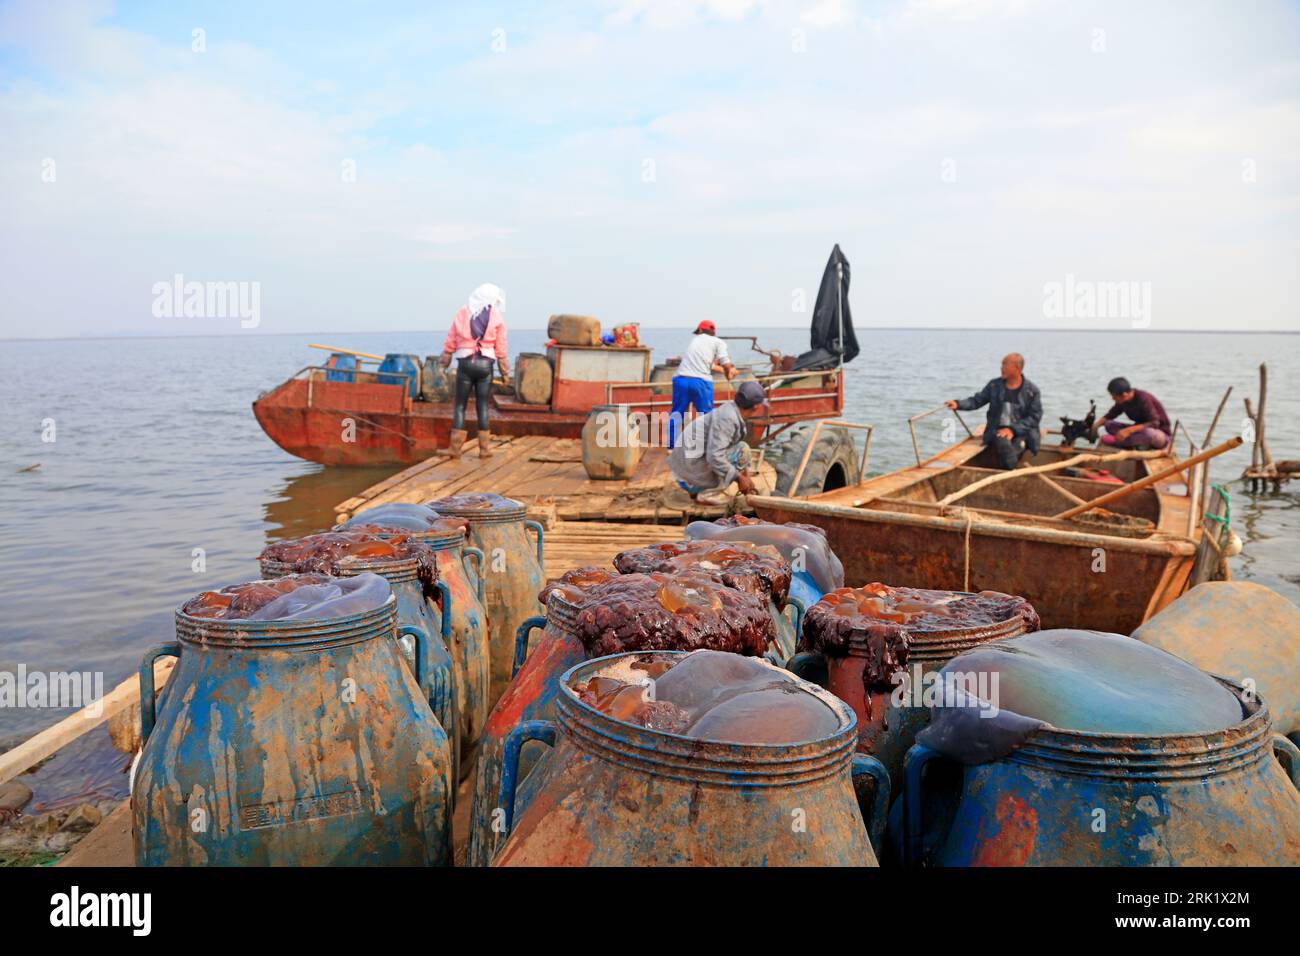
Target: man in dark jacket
{"points": [[1015, 411], [1150, 424]]}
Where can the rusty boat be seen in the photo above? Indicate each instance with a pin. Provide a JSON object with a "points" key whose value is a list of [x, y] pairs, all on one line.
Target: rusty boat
{"points": [[365, 416], [956, 521]]}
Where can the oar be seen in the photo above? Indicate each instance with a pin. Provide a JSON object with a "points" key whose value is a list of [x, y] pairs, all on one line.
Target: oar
{"points": [[334, 348], [1151, 479]]}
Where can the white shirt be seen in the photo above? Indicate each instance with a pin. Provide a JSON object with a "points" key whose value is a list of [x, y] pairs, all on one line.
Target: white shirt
{"points": [[700, 355]]}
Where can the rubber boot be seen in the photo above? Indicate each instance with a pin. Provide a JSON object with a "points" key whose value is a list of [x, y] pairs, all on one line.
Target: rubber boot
{"points": [[458, 438], [485, 444]]}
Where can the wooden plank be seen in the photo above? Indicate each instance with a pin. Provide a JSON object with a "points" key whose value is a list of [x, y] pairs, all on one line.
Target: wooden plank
{"points": [[533, 468], [46, 743], [588, 543], [444, 479]]}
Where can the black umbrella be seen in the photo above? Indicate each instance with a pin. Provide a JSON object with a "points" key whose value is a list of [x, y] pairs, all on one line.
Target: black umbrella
{"points": [[833, 339]]}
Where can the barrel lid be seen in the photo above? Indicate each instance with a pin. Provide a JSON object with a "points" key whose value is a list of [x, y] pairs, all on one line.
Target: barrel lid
{"points": [[479, 505]]}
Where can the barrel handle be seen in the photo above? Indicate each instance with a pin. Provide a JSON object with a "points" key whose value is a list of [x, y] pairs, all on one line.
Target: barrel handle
{"points": [[1283, 747], [437, 684], [536, 526], [875, 812], [446, 613], [913, 830], [803, 664], [423, 662], [543, 730], [148, 700], [477, 555], [800, 609], [521, 641]]}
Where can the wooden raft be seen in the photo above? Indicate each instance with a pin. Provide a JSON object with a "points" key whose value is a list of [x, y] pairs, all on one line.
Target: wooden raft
{"points": [[578, 544], [542, 471]]}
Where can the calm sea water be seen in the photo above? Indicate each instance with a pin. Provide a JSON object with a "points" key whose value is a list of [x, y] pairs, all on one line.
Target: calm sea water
{"points": [[157, 454]]}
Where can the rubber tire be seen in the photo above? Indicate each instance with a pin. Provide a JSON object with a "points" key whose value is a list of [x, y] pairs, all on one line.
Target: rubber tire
{"points": [[834, 462]]}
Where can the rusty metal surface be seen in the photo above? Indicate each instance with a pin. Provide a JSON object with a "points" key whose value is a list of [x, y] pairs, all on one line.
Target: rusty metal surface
{"points": [[289, 743], [305, 416], [614, 794], [1058, 579]]}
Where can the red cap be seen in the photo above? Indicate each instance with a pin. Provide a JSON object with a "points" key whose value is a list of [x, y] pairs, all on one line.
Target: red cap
{"points": [[707, 326]]}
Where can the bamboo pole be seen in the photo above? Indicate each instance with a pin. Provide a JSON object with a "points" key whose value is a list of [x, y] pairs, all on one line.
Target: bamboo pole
{"points": [[1151, 479], [1254, 448], [334, 348], [1266, 459], [1087, 456]]}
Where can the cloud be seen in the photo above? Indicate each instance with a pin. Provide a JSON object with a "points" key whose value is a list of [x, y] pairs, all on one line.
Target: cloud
{"points": [[673, 14], [642, 143]]}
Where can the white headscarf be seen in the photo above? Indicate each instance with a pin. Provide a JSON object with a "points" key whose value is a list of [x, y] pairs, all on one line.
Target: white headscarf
{"points": [[486, 295]]}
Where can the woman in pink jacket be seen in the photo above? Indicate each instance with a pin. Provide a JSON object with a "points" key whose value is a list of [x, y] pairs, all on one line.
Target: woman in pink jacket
{"points": [[477, 337]]}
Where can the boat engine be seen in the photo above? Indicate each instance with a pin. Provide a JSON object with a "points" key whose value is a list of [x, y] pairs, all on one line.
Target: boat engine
{"points": [[1072, 429]]}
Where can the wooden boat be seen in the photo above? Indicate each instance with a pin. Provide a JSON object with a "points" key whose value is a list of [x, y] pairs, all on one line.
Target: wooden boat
{"points": [[367, 419], [1107, 572]]}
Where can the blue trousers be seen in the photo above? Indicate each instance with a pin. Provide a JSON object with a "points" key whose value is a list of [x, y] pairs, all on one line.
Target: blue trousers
{"points": [[688, 392]]}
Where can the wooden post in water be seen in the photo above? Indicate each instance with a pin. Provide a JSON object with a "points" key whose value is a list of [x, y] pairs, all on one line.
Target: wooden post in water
{"points": [[1262, 471]]}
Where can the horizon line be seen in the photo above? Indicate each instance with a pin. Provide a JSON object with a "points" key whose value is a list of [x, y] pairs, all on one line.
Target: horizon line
{"points": [[666, 328]]}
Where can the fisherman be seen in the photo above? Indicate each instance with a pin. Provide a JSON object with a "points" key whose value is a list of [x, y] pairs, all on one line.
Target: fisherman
{"points": [[693, 383], [476, 336], [713, 453], [1015, 410], [1150, 426]]}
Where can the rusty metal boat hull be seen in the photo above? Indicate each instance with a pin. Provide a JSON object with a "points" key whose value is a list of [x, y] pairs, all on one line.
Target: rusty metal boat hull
{"points": [[892, 529]]}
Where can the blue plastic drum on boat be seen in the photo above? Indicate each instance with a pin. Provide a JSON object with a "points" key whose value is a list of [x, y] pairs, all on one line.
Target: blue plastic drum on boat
{"points": [[341, 368], [399, 368]]}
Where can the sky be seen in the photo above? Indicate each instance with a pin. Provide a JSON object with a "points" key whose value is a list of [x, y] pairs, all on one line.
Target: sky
{"points": [[364, 166]]}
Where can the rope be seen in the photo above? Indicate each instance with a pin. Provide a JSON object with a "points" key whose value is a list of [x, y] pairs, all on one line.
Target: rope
{"points": [[969, 516]]}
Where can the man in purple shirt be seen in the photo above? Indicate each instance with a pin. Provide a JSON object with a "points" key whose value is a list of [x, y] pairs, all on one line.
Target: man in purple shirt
{"points": [[1150, 423]]}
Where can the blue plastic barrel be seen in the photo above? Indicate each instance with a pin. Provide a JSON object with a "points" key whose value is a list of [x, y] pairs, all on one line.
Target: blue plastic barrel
{"points": [[342, 368], [399, 368]]}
